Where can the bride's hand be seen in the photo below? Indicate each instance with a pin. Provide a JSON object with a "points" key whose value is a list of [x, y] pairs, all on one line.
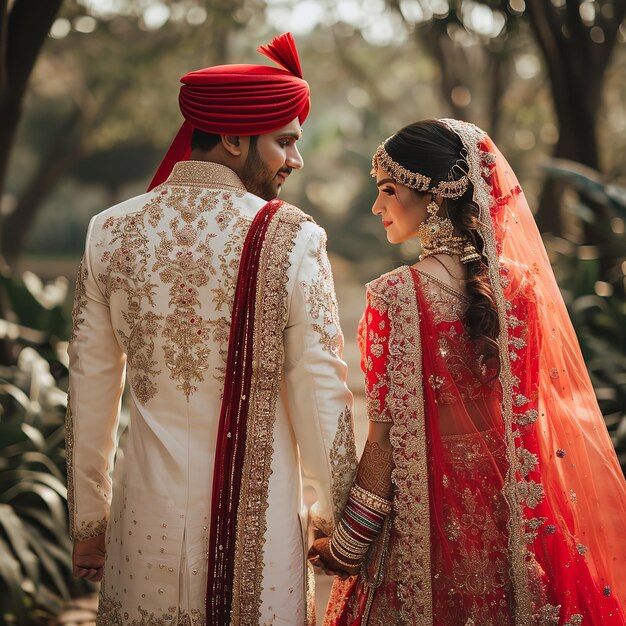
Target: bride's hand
{"points": [[320, 557]]}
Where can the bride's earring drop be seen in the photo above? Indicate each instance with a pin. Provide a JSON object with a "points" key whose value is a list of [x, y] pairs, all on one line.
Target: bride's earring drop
{"points": [[436, 235]]}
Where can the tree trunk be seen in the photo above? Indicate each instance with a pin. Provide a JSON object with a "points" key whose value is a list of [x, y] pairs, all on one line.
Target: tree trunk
{"points": [[576, 67], [23, 31]]}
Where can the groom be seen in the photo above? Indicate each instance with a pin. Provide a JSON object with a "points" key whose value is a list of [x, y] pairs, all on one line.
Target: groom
{"points": [[214, 301]]}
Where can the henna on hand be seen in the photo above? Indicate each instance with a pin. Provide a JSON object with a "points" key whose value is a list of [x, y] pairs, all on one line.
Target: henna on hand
{"points": [[375, 468]]}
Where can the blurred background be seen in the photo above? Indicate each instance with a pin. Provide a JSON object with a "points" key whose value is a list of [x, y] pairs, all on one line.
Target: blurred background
{"points": [[88, 106]]}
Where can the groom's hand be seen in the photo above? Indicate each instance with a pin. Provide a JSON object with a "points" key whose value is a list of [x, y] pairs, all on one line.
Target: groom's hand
{"points": [[88, 558]]}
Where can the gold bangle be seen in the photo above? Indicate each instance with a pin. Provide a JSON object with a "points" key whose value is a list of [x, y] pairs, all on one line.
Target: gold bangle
{"points": [[344, 563], [373, 501], [348, 551], [342, 534]]}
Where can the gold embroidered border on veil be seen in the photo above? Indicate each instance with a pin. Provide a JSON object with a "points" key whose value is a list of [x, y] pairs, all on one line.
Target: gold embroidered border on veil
{"points": [[573, 466]]}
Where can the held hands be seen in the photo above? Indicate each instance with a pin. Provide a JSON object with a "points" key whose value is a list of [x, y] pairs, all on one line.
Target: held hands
{"points": [[88, 558], [321, 558]]}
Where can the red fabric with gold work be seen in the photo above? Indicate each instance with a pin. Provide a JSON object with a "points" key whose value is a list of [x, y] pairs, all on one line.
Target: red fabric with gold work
{"points": [[470, 567]]}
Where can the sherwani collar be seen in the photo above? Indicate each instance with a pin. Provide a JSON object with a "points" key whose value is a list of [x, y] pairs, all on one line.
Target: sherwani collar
{"points": [[204, 174]]}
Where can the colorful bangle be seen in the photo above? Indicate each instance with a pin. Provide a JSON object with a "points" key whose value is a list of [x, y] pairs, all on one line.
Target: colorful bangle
{"points": [[362, 521]]}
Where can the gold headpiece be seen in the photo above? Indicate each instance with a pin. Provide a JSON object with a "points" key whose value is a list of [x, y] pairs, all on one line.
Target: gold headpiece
{"points": [[445, 189]]}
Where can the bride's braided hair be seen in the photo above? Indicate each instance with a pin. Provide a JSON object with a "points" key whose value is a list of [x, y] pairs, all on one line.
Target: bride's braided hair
{"points": [[432, 149]]}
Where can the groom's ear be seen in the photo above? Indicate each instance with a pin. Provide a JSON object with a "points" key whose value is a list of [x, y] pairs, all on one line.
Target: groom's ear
{"points": [[232, 144]]}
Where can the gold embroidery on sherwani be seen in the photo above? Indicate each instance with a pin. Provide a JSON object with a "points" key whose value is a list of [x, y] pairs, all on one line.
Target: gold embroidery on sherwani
{"points": [[110, 614], [343, 463], [185, 331], [270, 320], [86, 530], [80, 298], [410, 554], [206, 175], [127, 271], [69, 462], [224, 293], [320, 296]]}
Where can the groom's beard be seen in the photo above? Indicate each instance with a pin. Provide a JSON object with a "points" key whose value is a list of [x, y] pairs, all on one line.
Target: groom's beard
{"points": [[257, 176]]}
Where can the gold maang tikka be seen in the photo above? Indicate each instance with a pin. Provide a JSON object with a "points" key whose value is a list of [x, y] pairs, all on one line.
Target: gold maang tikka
{"points": [[436, 235]]}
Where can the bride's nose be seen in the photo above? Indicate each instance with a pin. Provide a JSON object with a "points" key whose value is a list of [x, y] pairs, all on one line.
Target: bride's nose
{"points": [[377, 208]]}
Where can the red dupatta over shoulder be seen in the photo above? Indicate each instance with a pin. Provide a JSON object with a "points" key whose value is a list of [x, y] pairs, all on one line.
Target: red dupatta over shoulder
{"points": [[244, 442]]}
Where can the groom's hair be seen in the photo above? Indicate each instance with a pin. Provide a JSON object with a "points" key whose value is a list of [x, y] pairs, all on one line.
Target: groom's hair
{"points": [[207, 141]]}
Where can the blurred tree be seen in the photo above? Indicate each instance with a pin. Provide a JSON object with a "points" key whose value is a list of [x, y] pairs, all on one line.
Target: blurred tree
{"points": [[474, 54], [108, 101], [576, 39], [24, 25]]}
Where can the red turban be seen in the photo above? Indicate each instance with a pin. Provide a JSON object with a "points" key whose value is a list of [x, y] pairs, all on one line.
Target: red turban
{"points": [[240, 100]]}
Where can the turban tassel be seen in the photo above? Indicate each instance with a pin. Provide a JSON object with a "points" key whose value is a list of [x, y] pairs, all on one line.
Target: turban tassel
{"points": [[282, 50]]}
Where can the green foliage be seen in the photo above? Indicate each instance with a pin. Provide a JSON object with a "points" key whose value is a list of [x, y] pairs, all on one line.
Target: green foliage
{"points": [[35, 568], [594, 285]]}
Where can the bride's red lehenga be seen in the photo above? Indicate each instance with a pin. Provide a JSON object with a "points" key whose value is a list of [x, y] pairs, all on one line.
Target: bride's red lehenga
{"points": [[509, 503]]}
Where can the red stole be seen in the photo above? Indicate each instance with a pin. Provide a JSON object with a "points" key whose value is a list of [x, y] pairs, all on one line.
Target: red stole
{"points": [[231, 438]]}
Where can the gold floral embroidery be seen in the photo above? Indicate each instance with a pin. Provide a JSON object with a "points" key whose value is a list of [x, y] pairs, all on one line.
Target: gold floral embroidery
{"points": [[91, 529], [410, 554], [186, 332], [227, 213], [224, 293], [320, 296], [343, 462], [475, 519], [534, 523], [527, 461], [139, 345], [446, 304], [530, 492], [373, 346], [548, 615], [527, 418], [460, 361], [110, 614], [127, 271], [270, 321], [69, 462], [80, 298], [479, 161]]}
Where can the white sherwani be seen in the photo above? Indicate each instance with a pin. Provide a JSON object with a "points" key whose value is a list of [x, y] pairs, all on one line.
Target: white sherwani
{"points": [[153, 305]]}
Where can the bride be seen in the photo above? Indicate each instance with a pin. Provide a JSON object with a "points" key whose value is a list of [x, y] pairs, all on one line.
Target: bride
{"points": [[488, 492]]}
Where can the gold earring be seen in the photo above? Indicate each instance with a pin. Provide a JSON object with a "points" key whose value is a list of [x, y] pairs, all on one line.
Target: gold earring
{"points": [[469, 253], [436, 235]]}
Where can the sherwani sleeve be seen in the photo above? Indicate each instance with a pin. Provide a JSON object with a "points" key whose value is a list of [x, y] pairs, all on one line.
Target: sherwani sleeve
{"points": [[95, 389], [320, 404]]}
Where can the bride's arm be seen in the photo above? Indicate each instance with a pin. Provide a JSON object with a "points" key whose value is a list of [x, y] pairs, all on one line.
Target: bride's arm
{"points": [[370, 498], [367, 507]]}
